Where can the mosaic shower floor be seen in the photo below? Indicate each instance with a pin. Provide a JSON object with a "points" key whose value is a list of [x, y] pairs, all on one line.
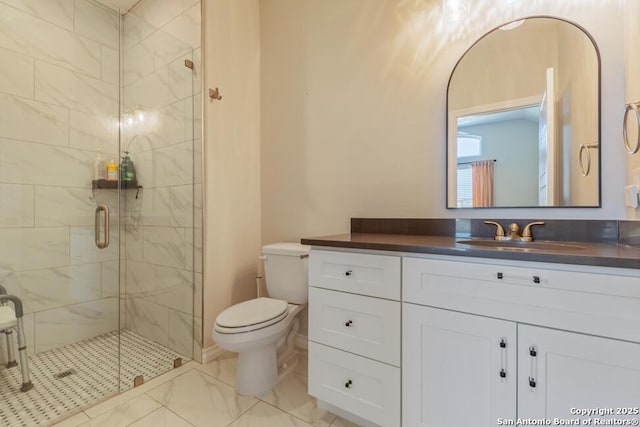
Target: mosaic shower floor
{"points": [[92, 373]]}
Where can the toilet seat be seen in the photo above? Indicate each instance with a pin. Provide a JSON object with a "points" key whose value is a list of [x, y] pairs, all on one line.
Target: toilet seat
{"points": [[251, 315]]}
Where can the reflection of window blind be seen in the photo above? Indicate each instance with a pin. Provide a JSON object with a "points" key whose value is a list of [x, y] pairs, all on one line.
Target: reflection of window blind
{"points": [[469, 145], [465, 187]]}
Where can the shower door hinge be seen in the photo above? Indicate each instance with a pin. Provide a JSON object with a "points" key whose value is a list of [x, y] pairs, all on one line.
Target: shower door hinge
{"points": [[138, 381]]}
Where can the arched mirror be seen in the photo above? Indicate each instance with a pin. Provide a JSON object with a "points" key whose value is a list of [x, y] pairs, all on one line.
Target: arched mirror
{"points": [[523, 118]]}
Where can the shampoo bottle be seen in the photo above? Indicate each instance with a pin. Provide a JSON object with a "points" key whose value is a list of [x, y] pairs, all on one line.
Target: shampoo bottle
{"points": [[112, 171], [99, 167], [127, 169]]}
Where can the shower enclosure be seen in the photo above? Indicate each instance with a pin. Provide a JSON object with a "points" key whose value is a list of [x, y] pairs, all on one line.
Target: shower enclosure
{"points": [[81, 79]]}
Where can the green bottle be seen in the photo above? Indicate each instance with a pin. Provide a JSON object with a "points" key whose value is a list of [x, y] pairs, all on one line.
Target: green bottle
{"points": [[127, 169]]}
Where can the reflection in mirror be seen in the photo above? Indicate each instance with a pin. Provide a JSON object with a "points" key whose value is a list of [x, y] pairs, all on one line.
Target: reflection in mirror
{"points": [[522, 102]]}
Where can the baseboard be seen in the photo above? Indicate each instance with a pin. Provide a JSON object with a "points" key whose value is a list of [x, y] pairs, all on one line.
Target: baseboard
{"points": [[211, 353], [302, 342]]}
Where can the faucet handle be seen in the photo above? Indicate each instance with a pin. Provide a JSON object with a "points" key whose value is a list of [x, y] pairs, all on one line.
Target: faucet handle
{"points": [[499, 229], [526, 233], [514, 229]]}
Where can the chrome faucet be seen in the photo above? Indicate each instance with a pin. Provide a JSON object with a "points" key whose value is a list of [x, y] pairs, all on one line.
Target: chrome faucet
{"points": [[513, 231]]}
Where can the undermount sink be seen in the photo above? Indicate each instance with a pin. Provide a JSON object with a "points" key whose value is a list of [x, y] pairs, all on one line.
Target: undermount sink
{"points": [[514, 245]]}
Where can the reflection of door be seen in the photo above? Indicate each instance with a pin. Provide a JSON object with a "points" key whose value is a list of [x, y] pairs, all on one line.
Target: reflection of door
{"points": [[546, 145]]}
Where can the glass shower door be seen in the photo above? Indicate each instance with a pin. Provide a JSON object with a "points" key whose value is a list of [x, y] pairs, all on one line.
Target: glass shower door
{"points": [[59, 108], [159, 66]]}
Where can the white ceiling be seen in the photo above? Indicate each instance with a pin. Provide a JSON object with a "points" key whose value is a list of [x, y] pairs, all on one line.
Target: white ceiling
{"points": [[526, 113], [123, 5]]}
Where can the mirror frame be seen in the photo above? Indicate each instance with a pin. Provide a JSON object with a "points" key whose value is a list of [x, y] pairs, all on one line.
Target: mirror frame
{"points": [[599, 68]]}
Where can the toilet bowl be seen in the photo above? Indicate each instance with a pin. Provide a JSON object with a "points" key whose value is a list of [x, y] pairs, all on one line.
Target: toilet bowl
{"points": [[256, 328]]}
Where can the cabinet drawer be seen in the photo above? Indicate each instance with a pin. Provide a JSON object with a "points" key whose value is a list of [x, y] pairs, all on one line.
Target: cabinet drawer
{"points": [[368, 389], [363, 325], [366, 274], [531, 275], [592, 303]]}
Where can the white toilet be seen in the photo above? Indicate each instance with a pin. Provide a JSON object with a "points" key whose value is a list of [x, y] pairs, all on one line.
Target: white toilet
{"points": [[256, 328]]}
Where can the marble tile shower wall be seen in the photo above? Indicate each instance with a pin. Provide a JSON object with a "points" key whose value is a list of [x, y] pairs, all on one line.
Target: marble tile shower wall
{"points": [[161, 103], [58, 104]]}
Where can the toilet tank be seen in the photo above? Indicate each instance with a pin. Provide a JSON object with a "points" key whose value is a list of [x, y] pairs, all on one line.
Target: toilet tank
{"points": [[285, 271]]}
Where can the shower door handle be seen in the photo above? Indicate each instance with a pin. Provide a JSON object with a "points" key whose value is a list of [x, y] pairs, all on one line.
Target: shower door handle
{"points": [[104, 243]]}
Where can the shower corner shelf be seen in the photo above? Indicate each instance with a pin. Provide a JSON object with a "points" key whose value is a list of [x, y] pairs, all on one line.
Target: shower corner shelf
{"points": [[104, 184]]}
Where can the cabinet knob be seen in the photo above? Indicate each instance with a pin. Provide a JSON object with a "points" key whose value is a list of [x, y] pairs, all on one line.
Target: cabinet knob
{"points": [[348, 323], [348, 273], [500, 275], [348, 384], [503, 373], [532, 382], [536, 279]]}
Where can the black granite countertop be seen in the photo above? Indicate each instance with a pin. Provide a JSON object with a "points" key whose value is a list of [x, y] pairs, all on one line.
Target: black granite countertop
{"points": [[604, 254]]}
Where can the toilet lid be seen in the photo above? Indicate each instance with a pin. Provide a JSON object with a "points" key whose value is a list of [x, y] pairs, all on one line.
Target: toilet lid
{"points": [[252, 312]]}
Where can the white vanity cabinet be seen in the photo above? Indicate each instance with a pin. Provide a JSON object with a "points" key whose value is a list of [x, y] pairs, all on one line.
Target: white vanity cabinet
{"points": [[560, 370], [354, 334], [556, 323], [458, 369]]}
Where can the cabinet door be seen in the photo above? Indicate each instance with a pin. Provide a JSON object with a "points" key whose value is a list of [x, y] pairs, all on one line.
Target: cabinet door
{"points": [[454, 370], [559, 370]]}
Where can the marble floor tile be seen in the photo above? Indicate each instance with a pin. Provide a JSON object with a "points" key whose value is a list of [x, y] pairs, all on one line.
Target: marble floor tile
{"points": [[302, 368], [339, 422], [125, 413], [202, 400], [161, 418], [74, 421], [291, 395], [203, 395], [263, 415], [224, 368], [112, 403]]}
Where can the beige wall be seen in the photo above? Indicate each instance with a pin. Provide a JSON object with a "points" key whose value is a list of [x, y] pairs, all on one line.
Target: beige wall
{"points": [[496, 62], [232, 155], [632, 47], [353, 108]]}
